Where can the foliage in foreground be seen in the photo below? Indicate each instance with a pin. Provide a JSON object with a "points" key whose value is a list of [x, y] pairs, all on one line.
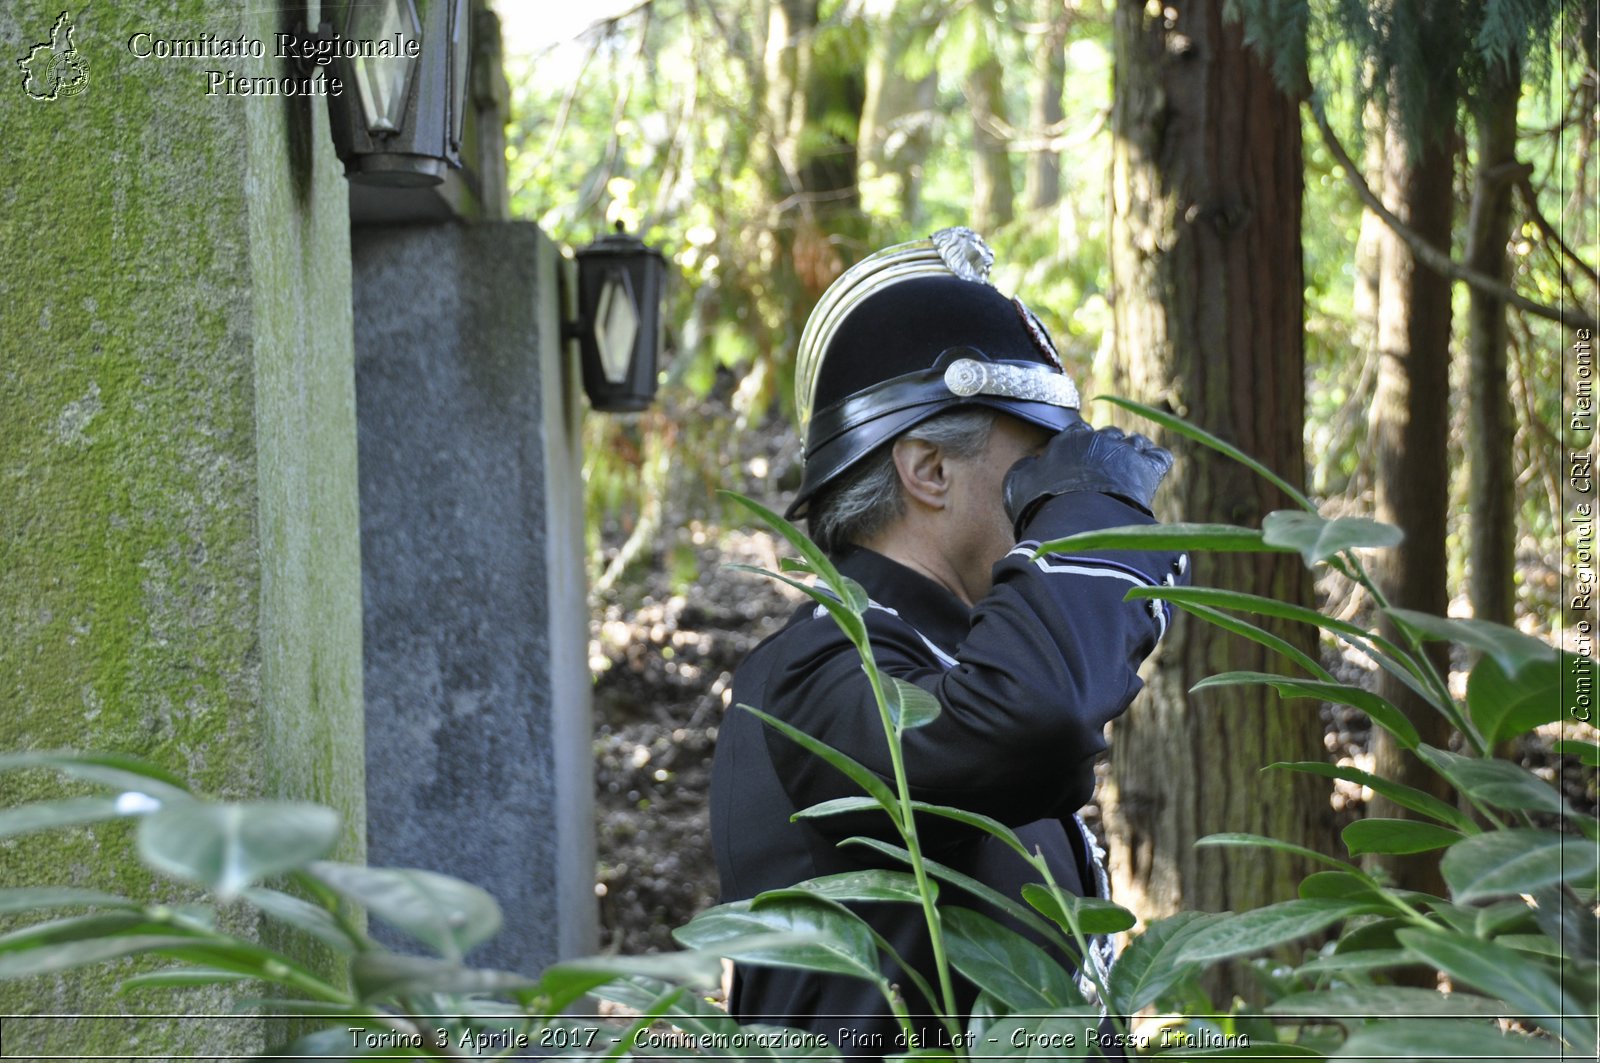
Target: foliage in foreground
{"points": [[1516, 936]]}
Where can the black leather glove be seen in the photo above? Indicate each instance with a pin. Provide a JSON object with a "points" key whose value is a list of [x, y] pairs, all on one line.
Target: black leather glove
{"points": [[1081, 458]]}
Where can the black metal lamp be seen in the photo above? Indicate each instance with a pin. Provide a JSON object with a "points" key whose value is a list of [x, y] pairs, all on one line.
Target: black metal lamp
{"points": [[620, 285], [399, 120]]}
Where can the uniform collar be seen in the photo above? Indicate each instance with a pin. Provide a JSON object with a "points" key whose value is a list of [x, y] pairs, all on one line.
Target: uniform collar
{"points": [[925, 605]]}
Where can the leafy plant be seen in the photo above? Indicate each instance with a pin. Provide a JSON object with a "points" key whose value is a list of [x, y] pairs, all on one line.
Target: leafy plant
{"points": [[1516, 935]]}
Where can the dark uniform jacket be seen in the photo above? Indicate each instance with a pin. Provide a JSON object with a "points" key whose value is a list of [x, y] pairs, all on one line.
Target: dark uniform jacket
{"points": [[1027, 679]]}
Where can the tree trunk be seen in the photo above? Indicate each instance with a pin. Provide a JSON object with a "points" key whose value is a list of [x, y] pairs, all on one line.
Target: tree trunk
{"points": [[1490, 424], [896, 125], [1041, 184], [1409, 428], [1207, 295], [992, 193]]}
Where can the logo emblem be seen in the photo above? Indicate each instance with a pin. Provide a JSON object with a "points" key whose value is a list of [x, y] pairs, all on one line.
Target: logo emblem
{"points": [[55, 68], [1036, 332]]}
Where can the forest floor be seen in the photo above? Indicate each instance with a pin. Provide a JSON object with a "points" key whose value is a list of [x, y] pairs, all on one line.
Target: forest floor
{"points": [[664, 647]]}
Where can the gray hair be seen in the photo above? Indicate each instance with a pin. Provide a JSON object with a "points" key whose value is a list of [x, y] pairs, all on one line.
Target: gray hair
{"points": [[867, 498]]}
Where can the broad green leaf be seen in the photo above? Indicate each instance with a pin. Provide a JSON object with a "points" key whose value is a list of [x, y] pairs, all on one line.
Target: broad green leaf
{"points": [[1259, 841], [1502, 708], [71, 812], [1318, 538], [859, 773], [786, 933], [1509, 862], [909, 705], [226, 847], [1513, 650], [1093, 916], [302, 915], [446, 914], [1201, 436], [1222, 538], [1380, 711], [1264, 928], [1496, 782], [1379, 835], [1260, 605], [115, 770], [1570, 921], [982, 891], [1539, 944], [1061, 1035], [381, 975], [1260, 636], [126, 923], [842, 805], [1385, 1000], [1521, 981], [1438, 1040], [1149, 966], [1402, 795], [65, 955], [565, 982], [1341, 885], [870, 885], [175, 977], [29, 898], [1588, 753], [1005, 964], [1360, 960]]}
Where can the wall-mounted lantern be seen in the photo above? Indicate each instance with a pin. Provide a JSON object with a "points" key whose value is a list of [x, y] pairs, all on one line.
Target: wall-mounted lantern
{"points": [[399, 120], [618, 328]]}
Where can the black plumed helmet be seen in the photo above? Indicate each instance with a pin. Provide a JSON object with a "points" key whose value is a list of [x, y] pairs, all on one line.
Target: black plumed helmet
{"points": [[912, 331]]}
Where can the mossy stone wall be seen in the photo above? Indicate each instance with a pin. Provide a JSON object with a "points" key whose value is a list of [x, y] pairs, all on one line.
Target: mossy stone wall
{"points": [[179, 546]]}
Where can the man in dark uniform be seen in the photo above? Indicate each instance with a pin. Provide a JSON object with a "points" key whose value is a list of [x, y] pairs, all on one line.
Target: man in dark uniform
{"points": [[945, 445]]}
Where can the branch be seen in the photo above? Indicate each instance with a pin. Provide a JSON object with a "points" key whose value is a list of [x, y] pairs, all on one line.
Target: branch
{"points": [[1531, 201], [1431, 256]]}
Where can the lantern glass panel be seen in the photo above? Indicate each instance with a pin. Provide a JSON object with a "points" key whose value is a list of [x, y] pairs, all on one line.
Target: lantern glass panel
{"points": [[616, 325], [383, 82]]}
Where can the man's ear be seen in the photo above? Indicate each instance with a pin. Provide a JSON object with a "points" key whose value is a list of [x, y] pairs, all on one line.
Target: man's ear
{"points": [[924, 472]]}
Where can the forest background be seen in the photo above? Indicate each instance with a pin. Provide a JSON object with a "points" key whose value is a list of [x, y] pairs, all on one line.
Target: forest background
{"points": [[1356, 240]]}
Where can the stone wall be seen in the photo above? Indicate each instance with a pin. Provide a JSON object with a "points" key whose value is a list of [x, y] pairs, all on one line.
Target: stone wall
{"points": [[179, 548]]}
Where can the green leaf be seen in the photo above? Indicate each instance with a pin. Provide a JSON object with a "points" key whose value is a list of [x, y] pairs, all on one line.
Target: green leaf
{"points": [[1509, 862], [446, 914], [1258, 841], [861, 775], [64, 956], [1092, 915], [848, 590], [1588, 753], [1005, 964], [27, 898], [563, 983], [1341, 885], [871, 885], [1221, 538], [115, 770], [226, 847], [302, 915], [1318, 538], [1378, 835], [1385, 1000], [786, 933], [1260, 636], [1377, 709], [1402, 795], [382, 975], [1149, 966], [1502, 708], [1199, 435], [1510, 648], [987, 824], [72, 812], [178, 977], [840, 806], [1496, 782], [1257, 604], [1264, 928], [1438, 1040], [1359, 960], [909, 705], [1522, 982], [849, 621]]}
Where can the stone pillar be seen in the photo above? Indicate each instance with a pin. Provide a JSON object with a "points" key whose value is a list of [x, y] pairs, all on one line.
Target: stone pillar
{"points": [[179, 542], [478, 747]]}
